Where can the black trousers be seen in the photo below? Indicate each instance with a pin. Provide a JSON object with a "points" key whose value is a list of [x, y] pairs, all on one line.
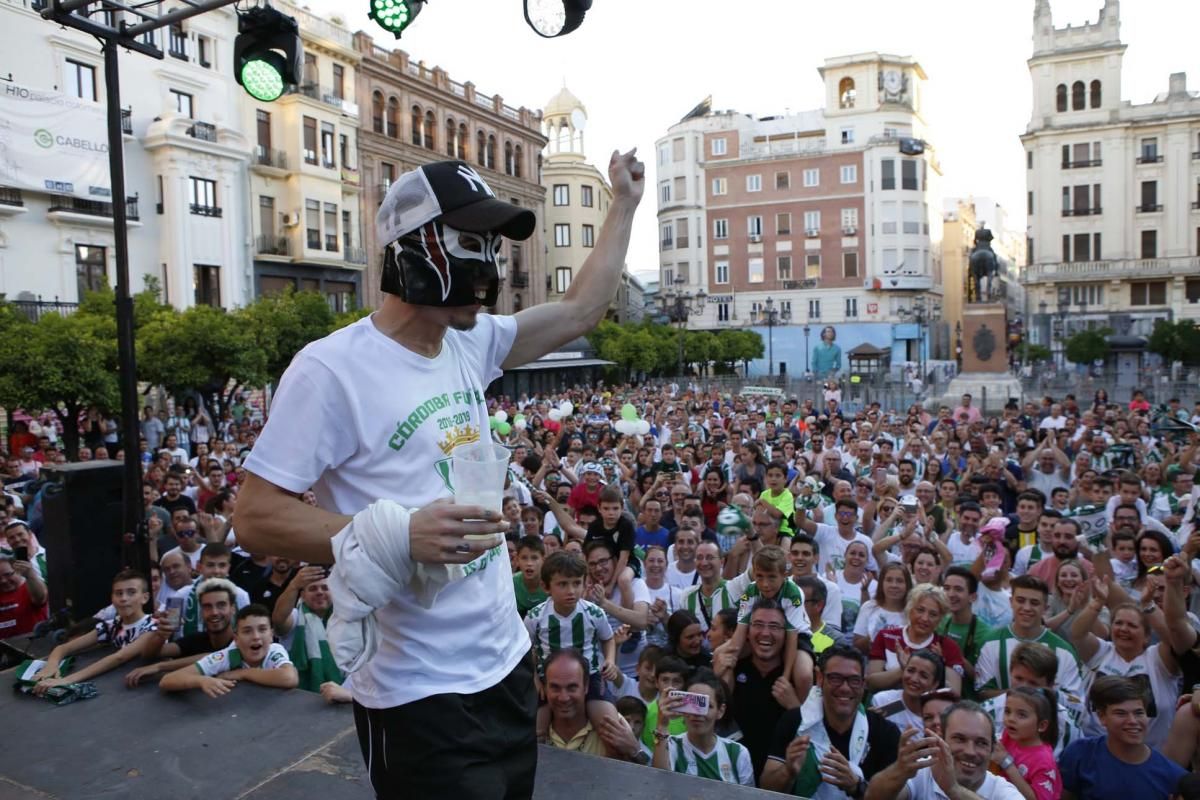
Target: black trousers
{"points": [[478, 746]]}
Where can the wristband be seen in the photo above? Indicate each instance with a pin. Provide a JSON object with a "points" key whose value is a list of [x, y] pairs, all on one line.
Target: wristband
{"points": [[1006, 763]]}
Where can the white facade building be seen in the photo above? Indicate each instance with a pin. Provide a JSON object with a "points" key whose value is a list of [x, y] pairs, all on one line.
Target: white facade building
{"points": [[833, 214], [185, 157], [1113, 188]]}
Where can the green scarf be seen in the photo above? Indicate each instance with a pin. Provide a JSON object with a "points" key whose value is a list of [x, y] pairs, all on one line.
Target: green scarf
{"points": [[59, 695], [310, 651], [808, 782]]}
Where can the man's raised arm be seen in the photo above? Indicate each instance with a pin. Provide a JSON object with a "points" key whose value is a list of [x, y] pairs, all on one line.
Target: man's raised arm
{"points": [[543, 328]]}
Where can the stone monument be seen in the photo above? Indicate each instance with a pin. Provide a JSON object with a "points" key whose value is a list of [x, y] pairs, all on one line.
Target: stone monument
{"points": [[985, 374]]}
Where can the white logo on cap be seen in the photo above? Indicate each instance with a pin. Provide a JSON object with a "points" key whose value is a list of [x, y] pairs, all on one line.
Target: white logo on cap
{"points": [[473, 179]]}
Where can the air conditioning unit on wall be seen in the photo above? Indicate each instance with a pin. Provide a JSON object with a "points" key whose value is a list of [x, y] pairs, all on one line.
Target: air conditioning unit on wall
{"points": [[291, 220]]}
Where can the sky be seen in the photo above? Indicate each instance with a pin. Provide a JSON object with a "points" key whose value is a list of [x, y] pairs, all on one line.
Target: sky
{"points": [[640, 65]]}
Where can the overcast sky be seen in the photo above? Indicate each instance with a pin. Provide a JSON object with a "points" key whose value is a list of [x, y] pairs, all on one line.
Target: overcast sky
{"points": [[640, 65]]}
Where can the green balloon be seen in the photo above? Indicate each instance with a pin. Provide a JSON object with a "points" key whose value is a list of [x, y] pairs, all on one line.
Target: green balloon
{"points": [[502, 428], [629, 412], [493, 423], [518, 418]]}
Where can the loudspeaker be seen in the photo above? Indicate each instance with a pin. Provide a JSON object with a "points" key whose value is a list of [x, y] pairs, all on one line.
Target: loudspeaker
{"points": [[81, 531]]}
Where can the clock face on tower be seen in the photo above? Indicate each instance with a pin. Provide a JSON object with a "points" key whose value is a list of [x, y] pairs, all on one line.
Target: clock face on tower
{"points": [[892, 82]]}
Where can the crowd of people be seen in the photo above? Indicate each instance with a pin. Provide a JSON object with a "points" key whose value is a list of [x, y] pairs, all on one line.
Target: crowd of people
{"points": [[881, 603]]}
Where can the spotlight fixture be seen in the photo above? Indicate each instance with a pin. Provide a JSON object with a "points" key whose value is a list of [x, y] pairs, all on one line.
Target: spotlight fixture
{"points": [[394, 16], [550, 18], [266, 53]]}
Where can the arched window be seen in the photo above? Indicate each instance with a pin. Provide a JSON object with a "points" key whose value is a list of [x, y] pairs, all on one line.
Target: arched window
{"points": [[377, 112], [481, 149], [462, 141], [509, 169], [1061, 97], [1077, 96], [517, 156], [516, 302], [564, 138], [846, 93], [392, 123], [451, 131], [415, 121], [430, 130], [1096, 97], [491, 152]]}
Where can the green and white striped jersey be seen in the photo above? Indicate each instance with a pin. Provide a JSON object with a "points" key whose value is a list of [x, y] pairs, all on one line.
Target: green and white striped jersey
{"points": [[991, 669], [584, 629], [729, 761], [790, 597], [726, 595]]}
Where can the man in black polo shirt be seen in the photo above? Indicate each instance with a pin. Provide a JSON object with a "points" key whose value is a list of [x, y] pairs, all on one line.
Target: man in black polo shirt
{"points": [[850, 744], [173, 497], [267, 591], [218, 603], [760, 692]]}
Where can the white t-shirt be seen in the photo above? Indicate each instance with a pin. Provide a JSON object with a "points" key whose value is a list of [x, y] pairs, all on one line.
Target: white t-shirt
{"points": [[851, 593], [890, 703], [872, 619], [962, 554], [1146, 668], [833, 548], [228, 659], [681, 579], [359, 417], [924, 787]]}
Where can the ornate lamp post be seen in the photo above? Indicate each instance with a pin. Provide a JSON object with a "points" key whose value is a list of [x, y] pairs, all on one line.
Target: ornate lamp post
{"points": [[771, 316], [807, 371], [922, 313], [678, 305]]}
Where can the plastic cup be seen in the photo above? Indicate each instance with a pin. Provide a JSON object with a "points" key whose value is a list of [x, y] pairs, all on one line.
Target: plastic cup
{"points": [[480, 471]]}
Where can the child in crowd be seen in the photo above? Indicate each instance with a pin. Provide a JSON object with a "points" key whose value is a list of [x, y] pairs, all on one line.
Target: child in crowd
{"points": [[528, 582], [1124, 558], [252, 657], [670, 673], [567, 620], [133, 632], [779, 495], [1025, 753], [699, 751], [770, 568]]}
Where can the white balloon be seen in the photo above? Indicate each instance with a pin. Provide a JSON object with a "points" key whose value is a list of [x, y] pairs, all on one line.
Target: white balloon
{"points": [[520, 424], [643, 427], [501, 415], [555, 414], [566, 408], [626, 427]]}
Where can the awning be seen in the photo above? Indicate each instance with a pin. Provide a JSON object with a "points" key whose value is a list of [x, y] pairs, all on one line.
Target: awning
{"points": [[566, 363]]}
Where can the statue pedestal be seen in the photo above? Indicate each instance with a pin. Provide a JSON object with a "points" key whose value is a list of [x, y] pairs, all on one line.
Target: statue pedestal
{"points": [[985, 374]]}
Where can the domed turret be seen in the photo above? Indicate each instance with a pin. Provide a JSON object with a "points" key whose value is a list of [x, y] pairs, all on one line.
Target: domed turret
{"points": [[563, 120]]}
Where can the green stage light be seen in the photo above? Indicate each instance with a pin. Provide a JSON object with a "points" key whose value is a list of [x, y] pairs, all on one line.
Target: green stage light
{"points": [[394, 16], [266, 53], [262, 77]]}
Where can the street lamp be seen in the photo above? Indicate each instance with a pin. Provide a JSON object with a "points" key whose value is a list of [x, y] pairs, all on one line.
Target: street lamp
{"points": [[922, 313], [807, 372], [678, 305], [772, 317]]}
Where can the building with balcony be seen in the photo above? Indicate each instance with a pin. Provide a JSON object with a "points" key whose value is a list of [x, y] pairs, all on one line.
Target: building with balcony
{"points": [[305, 187], [827, 212], [418, 115], [577, 196], [1113, 188], [185, 167]]}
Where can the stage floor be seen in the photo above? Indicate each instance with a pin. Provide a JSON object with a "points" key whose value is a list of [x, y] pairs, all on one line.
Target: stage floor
{"points": [[254, 743]]}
